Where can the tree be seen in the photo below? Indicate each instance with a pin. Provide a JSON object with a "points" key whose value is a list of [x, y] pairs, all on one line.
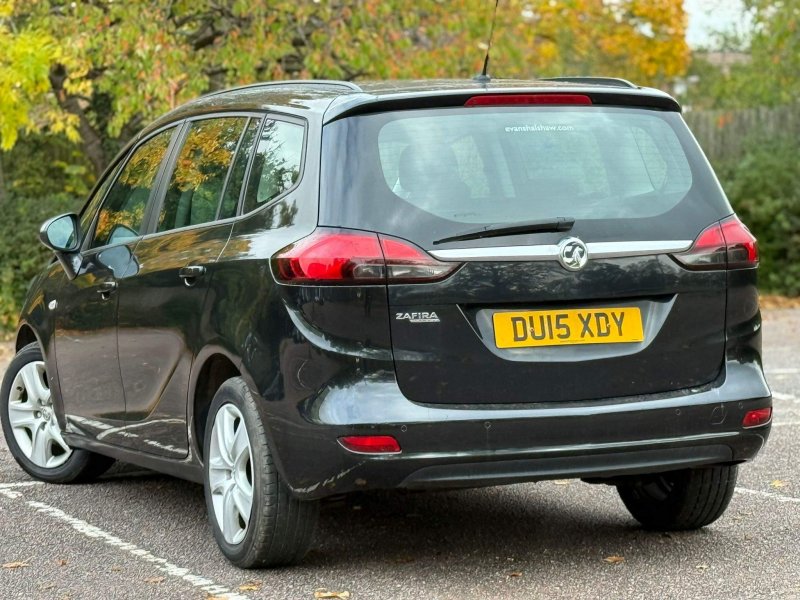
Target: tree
{"points": [[96, 70], [769, 75], [775, 49]]}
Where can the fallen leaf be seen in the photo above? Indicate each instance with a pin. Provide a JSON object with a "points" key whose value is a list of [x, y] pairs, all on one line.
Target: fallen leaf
{"points": [[61, 562], [614, 559], [157, 579], [562, 481], [701, 567], [323, 594], [515, 574], [777, 483], [20, 564], [116, 569], [251, 586], [769, 301]]}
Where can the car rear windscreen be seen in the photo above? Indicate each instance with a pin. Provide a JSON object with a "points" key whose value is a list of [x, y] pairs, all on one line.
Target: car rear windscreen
{"points": [[427, 174]]}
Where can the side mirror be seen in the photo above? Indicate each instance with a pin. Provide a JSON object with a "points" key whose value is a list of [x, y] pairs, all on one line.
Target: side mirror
{"points": [[61, 233]]}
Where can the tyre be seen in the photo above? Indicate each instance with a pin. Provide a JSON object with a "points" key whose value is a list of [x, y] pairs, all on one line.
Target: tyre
{"points": [[30, 427], [256, 520], [680, 500]]}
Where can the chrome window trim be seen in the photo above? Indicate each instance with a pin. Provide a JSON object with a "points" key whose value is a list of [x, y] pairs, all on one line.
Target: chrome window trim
{"points": [[550, 251]]}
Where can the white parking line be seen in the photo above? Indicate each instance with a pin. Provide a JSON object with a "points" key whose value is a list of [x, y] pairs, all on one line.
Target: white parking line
{"points": [[9, 490], [5, 486], [785, 423], [789, 371], [162, 564], [771, 495], [782, 396]]}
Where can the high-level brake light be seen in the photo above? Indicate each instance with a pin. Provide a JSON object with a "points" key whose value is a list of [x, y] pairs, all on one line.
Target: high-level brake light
{"points": [[335, 256], [529, 99], [725, 244]]}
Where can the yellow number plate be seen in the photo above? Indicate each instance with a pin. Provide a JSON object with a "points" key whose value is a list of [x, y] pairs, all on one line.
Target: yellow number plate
{"points": [[565, 327]]}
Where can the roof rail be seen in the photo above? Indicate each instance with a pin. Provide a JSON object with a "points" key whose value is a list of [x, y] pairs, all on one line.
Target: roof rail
{"points": [[609, 81], [349, 85]]}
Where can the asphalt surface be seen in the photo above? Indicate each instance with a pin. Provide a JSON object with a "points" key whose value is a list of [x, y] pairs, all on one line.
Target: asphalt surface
{"points": [[141, 535]]}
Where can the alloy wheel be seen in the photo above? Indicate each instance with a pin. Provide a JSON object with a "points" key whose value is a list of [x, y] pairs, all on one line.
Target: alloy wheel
{"points": [[230, 473], [33, 420]]}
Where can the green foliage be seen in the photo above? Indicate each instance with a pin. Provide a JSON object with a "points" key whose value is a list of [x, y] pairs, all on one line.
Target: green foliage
{"points": [[41, 165], [25, 59], [766, 61], [22, 256], [99, 70], [775, 47], [764, 189]]}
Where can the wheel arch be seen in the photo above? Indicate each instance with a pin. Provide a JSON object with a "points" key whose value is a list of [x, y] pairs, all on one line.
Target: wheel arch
{"points": [[213, 367], [26, 335]]}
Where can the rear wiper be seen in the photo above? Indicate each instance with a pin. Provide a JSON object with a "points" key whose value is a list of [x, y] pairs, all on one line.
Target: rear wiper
{"points": [[497, 230]]}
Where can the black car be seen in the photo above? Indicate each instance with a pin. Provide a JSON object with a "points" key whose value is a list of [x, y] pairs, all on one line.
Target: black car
{"points": [[292, 290]]}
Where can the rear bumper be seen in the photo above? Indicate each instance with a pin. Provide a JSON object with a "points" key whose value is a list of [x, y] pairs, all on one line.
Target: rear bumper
{"points": [[465, 446]]}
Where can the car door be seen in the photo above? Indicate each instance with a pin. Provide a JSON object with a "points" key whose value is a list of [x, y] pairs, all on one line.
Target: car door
{"points": [[161, 323], [86, 308]]}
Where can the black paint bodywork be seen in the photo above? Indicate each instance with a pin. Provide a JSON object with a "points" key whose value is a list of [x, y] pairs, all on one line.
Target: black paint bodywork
{"points": [[126, 367]]}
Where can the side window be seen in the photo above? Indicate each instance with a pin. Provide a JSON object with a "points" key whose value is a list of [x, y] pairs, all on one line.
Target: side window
{"points": [[195, 188], [276, 167], [122, 214], [230, 198], [90, 210]]}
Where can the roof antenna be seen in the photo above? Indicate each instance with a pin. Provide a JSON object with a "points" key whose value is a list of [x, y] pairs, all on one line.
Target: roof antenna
{"points": [[483, 77]]}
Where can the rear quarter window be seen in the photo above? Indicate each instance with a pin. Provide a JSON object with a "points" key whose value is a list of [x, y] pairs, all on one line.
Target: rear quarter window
{"points": [[277, 164]]}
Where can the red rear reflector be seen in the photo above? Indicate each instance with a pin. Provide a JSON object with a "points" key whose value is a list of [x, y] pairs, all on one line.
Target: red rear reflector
{"points": [[525, 99], [725, 244], [332, 256], [370, 444], [758, 417]]}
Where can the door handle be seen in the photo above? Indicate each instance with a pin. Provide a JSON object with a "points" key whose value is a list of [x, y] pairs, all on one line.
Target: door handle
{"points": [[191, 273], [106, 288]]}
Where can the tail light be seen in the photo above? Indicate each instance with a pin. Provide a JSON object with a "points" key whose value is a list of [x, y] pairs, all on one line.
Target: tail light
{"points": [[725, 244], [334, 256]]}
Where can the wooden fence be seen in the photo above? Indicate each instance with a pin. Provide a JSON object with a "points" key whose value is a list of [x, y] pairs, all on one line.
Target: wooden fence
{"points": [[724, 134]]}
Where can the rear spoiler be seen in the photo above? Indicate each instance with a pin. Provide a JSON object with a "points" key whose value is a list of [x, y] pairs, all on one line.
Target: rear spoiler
{"points": [[362, 103]]}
